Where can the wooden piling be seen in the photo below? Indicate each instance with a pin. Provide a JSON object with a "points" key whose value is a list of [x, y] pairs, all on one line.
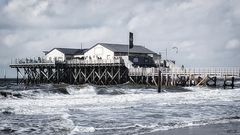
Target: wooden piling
{"points": [[159, 81], [213, 80], [17, 76], [233, 82], [224, 82]]}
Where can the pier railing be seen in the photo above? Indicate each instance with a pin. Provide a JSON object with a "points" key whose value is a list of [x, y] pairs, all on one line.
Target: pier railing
{"points": [[29, 61], [100, 61], [213, 71]]}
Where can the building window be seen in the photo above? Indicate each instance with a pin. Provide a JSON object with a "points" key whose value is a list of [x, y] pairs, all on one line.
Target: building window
{"points": [[135, 60], [146, 60]]}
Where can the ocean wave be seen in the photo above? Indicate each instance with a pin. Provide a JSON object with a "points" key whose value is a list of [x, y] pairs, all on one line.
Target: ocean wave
{"points": [[93, 90], [33, 91], [82, 129], [104, 91], [94, 109], [204, 88], [7, 130], [7, 111], [81, 90]]}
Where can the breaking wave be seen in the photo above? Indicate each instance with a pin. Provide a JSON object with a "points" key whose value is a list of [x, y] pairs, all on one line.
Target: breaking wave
{"points": [[81, 90], [125, 109]]}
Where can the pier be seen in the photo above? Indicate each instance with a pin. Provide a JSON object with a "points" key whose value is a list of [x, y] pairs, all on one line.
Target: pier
{"points": [[72, 72], [186, 76], [113, 72]]}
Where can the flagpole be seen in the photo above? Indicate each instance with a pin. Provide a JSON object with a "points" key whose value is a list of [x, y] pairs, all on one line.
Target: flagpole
{"points": [[128, 50], [130, 45], [128, 54]]}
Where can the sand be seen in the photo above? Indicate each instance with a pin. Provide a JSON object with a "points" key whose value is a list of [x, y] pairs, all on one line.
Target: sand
{"points": [[231, 128]]}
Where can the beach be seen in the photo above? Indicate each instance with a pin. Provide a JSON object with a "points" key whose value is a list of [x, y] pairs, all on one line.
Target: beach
{"points": [[231, 128]]}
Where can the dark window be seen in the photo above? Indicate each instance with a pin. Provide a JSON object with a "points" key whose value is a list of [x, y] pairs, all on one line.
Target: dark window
{"points": [[146, 60], [135, 60]]}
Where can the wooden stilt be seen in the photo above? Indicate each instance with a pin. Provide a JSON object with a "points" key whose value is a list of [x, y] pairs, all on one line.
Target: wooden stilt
{"points": [[224, 82], [159, 82], [233, 82], [17, 76]]}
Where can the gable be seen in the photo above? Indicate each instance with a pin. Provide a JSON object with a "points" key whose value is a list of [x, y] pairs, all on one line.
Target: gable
{"points": [[98, 49], [54, 52]]}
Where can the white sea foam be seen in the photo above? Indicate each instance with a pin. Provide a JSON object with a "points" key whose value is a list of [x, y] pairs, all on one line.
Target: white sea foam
{"points": [[81, 129], [87, 90], [199, 104], [88, 96]]}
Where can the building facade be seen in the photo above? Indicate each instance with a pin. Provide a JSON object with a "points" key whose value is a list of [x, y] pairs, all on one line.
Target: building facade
{"points": [[138, 56], [63, 54]]}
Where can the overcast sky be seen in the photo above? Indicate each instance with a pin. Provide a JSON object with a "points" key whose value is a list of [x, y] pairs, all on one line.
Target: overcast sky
{"points": [[207, 32]]}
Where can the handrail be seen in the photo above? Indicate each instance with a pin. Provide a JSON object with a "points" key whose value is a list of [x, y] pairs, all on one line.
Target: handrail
{"points": [[32, 61], [100, 61], [218, 71], [73, 61]]}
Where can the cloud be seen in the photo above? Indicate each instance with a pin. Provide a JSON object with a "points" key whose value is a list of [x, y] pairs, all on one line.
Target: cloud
{"points": [[233, 44], [205, 32]]}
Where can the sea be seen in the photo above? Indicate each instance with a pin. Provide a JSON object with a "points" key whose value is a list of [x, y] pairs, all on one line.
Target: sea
{"points": [[62, 109]]}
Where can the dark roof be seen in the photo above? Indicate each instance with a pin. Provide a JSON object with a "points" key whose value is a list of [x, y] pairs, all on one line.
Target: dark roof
{"points": [[45, 52], [70, 51], [124, 48], [80, 51]]}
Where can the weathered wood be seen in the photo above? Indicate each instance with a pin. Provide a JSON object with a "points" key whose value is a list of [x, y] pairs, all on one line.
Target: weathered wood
{"points": [[233, 82], [132, 80], [159, 82], [117, 73], [213, 80]]}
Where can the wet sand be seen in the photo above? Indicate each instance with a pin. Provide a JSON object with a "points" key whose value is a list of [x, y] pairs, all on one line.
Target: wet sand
{"points": [[232, 128]]}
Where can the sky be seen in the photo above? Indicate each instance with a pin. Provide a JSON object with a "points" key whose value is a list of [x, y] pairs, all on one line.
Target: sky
{"points": [[206, 32]]}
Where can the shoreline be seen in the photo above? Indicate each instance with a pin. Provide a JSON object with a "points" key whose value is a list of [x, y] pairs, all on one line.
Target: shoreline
{"points": [[230, 128]]}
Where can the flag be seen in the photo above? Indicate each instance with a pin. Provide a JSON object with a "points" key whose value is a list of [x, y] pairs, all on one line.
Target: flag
{"points": [[130, 40]]}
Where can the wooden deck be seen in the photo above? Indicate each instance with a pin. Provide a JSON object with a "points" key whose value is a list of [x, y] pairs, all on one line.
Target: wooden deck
{"points": [[185, 77], [212, 71], [44, 63], [110, 72]]}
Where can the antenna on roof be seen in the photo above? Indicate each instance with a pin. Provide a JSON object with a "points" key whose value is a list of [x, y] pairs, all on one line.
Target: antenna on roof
{"points": [[81, 45]]}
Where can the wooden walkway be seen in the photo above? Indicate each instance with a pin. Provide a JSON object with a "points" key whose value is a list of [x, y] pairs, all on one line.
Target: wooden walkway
{"points": [[185, 77], [213, 71]]}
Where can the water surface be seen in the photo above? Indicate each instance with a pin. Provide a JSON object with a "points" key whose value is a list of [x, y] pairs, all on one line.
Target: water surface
{"points": [[123, 109]]}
